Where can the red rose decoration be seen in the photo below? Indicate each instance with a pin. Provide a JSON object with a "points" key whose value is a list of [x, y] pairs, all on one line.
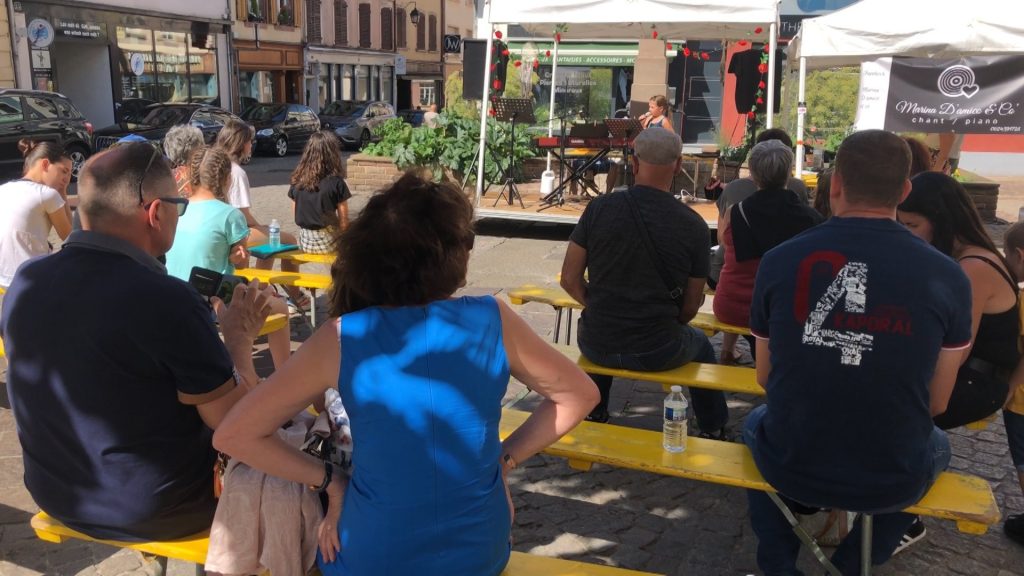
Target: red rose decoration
{"points": [[761, 85], [758, 30], [496, 85], [497, 34], [492, 112], [654, 34], [505, 52], [760, 100], [750, 115], [547, 53], [765, 47], [494, 67], [742, 43], [686, 52], [705, 56], [536, 64], [558, 37], [517, 63], [668, 45], [762, 68]]}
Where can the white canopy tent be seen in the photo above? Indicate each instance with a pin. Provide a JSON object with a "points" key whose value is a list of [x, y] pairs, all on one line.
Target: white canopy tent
{"points": [[873, 29], [632, 20]]}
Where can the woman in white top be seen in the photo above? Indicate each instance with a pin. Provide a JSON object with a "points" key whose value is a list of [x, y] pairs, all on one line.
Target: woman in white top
{"points": [[236, 140], [31, 206]]}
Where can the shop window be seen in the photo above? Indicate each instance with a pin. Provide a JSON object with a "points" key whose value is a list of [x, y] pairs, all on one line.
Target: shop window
{"points": [[10, 110], [386, 29], [314, 24], [40, 109], [421, 36], [386, 90], [364, 26], [427, 95], [172, 62], [346, 83], [433, 33], [400, 32], [362, 82], [202, 73], [324, 86], [340, 23]]}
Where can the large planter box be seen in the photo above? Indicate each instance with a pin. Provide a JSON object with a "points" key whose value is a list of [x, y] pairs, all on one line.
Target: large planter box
{"points": [[368, 174], [985, 195]]}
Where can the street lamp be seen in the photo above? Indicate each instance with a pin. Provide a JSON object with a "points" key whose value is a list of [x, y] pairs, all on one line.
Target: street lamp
{"points": [[414, 15]]}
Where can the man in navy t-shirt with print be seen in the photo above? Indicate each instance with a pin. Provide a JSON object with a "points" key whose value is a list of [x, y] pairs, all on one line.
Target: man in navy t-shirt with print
{"points": [[860, 329]]}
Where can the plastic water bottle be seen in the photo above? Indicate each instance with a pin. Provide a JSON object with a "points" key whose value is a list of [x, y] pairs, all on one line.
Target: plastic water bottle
{"points": [[674, 427], [275, 234]]}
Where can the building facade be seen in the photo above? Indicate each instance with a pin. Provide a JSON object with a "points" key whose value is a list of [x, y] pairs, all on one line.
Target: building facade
{"points": [[267, 43], [459, 20], [101, 55], [420, 66], [350, 51], [6, 52]]}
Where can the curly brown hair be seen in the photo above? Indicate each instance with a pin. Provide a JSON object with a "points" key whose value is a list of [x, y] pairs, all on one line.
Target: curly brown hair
{"points": [[409, 247], [320, 158], [233, 137], [210, 168]]}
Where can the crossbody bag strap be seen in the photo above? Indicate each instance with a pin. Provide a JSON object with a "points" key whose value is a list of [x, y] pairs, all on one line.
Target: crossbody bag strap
{"points": [[675, 292]]}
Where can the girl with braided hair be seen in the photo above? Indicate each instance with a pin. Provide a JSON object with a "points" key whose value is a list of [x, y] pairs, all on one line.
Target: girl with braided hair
{"points": [[212, 234]]}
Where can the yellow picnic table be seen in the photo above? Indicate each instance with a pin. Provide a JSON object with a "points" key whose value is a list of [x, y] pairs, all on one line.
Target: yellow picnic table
{"points": [[305, 257]]}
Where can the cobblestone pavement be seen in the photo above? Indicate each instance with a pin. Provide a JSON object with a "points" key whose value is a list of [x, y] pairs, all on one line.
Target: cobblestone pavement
{"points": [[611, 516]]}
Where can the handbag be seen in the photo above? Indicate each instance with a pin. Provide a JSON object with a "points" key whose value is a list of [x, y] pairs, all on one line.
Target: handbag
{"points": [[675, 291]]}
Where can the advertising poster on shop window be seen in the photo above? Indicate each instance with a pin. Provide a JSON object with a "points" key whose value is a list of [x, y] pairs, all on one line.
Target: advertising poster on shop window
{"points": [[971, 95]]}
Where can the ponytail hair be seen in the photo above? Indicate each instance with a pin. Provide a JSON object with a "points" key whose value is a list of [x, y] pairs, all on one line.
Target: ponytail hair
{"points": [[210, 168], [34, 150]]}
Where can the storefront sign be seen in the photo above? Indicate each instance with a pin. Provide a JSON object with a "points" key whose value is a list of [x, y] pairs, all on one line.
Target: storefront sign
{"points": [[973, 95], [579, 54], [138, 64], [40, 33], [400, 65], [79, 29], [452, 43]]}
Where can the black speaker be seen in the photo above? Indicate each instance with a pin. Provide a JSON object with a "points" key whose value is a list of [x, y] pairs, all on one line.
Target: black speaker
{"points": [[474, 61], [200, 34]]}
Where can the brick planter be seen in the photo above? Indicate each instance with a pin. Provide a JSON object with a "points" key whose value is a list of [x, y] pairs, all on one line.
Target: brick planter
{"points": [[368, 174], [985, 195]]}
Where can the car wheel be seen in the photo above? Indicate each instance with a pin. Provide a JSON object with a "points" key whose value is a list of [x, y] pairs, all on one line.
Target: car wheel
{"points": [[281, 147], [78, 154], [364, 139]]}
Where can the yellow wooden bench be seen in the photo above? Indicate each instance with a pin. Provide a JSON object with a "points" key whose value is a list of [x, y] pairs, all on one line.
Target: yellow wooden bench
{"points": [[967, 500], [273, 323], [312, 282], [193, 549], [305, 258], [561, 301]]}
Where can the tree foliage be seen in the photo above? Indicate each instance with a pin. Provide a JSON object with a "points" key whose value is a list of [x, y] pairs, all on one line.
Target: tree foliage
{"points": [[831, 106]]}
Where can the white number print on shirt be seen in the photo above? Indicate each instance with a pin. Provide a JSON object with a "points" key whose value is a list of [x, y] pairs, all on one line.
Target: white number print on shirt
{"points": [[850, 286]]}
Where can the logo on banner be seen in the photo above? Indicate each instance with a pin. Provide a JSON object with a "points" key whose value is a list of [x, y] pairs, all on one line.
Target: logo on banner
{"points": [[958, 81]]}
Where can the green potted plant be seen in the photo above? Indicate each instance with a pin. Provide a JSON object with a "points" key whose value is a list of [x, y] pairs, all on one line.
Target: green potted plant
{"points": [[730, 158], [285, 17]]}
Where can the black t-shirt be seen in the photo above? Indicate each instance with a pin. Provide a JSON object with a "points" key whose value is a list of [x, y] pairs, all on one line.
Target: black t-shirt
{"points": [[628, 308], [318, 209], [108, 358], [744, 65]]}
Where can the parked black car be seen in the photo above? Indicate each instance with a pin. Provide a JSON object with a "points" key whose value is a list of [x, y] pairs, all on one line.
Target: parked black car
{"points": [[412, 117], [355, 123], [159, 118], [39, 115], [281, 127], [132, 109]]}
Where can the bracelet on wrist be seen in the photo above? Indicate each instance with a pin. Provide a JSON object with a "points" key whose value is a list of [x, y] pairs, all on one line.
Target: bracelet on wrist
{"points": [[328, 475]]}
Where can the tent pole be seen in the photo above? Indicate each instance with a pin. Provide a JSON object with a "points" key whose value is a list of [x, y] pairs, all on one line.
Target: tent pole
{"points": [[773, 43], [551, 106], [484, 104], [801, 112]]}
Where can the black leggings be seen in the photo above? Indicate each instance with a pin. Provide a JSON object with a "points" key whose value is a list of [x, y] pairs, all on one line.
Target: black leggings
{"points": [[975, 396]]}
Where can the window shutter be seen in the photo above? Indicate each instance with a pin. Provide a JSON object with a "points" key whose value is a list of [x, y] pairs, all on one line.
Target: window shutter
{"points": [[433, 33], [386, 36], [340, 23], [364, 26], [313, 23], [421, 36], [400, 27]]}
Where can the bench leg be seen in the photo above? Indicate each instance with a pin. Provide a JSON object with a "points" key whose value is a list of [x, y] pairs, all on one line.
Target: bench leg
{"points": [[866, 525], [804, 537], [568, 329], [312, 307], [558, 325]]}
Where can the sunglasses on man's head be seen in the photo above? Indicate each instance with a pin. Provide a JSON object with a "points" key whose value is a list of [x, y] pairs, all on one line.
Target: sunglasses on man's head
{"points": [[181, 204]]}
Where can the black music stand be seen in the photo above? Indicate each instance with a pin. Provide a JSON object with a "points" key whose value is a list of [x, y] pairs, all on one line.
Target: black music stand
{"points": [[626, 129], [514, 110]]}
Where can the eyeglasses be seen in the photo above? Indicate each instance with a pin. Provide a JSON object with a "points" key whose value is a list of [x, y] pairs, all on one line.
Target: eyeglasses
{"points": [[181, 204]]}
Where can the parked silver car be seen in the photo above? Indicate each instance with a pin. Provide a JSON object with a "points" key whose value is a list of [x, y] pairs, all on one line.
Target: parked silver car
{"points": [[355, 123]]}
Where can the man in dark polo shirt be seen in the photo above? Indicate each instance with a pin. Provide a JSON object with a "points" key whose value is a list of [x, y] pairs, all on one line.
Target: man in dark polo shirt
{"points": [[633, 319], [117, 373], [857, 351]]}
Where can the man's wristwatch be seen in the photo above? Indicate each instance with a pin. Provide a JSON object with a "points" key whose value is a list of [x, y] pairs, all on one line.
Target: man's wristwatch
{"points": [[508, 462]]}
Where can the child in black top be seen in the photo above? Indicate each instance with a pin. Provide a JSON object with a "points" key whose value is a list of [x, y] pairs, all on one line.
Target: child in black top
{"points": [[319, 194]]}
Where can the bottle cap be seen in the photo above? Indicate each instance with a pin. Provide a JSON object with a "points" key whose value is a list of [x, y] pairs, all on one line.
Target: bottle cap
{"points": [[677, 389]]}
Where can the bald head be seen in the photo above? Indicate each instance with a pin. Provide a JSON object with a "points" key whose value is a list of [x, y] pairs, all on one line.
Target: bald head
{"points": [[108, 187]]}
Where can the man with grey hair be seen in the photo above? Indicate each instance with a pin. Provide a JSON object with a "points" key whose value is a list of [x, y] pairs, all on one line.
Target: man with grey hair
{"points": [[117, 372], [646, 254]]}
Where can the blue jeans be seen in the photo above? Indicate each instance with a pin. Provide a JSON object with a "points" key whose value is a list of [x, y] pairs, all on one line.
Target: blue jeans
{"points": [[777, 544], [690, 345]]}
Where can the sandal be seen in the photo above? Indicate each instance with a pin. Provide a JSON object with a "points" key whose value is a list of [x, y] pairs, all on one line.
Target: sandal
{"points": [[300, 301]]}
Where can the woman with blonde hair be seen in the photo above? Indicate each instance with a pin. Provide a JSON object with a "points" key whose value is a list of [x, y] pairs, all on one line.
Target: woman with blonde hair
{"points": [[212, 234], [422, 374], [236, 140], [319, 194]]}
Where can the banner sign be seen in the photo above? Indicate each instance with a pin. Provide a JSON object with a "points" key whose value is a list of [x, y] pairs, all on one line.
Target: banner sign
{"points": [[971, 95]]}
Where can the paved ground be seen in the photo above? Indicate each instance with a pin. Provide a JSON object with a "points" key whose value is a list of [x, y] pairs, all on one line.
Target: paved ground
{"points": [[618, 517]]}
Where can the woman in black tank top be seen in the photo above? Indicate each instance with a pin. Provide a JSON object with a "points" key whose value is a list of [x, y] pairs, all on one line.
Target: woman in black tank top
{"points": [[939, 211]]}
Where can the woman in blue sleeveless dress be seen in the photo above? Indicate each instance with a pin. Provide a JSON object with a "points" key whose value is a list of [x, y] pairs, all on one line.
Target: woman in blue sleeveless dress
{"points": [[422, 376]]}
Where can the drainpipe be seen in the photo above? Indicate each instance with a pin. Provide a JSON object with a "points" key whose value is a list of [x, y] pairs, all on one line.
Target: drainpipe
{"points": [[444, 78]]}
